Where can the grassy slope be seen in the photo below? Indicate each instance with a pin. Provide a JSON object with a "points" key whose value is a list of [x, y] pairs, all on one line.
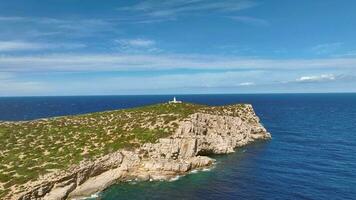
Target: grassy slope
{"points": [[29, 149]]}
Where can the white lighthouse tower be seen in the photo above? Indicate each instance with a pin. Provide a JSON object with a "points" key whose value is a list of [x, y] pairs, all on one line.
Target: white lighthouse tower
{"points": [[174, 101]]}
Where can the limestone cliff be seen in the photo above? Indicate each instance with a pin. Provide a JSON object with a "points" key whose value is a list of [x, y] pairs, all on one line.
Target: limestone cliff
{"points": [[197, 136]]}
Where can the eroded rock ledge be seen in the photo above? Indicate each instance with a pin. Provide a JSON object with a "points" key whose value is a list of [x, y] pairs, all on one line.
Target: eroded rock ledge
{"points": [[197, 137]]}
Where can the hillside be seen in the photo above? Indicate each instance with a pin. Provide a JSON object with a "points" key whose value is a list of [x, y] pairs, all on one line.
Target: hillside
{"points": [[31, 149]]}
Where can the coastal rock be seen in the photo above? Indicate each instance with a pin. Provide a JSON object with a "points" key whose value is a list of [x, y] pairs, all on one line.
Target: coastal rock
{"points": [[59, 192], [97, 183], [196, 137]]}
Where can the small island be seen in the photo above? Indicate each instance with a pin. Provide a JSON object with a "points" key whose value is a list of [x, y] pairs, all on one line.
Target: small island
{"points": [[75, 156]]}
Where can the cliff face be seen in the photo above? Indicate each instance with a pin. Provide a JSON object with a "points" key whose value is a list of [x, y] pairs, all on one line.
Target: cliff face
{"points": [[196, 137]]}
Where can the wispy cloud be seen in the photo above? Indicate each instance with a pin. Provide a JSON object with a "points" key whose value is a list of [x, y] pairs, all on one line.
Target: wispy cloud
{"points": [[168, 83], [327, 48], [11, 19], [28, 27], [70, 23], [167, 10], [197, 80], [251, 20], [7, 46], [201, 82], [346, 54], [5, 75], [11, 85], [317, 78], [247, 84], [137, 42], [22, 87], [137, 45], [19, 45], [124, 62]]}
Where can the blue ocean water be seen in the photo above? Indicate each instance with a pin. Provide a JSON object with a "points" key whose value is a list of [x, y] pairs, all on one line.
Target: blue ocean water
{"points": [[311, 156]]}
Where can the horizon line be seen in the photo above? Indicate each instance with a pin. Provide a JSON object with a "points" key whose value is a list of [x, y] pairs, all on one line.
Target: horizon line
{"points": [[178, 94]]}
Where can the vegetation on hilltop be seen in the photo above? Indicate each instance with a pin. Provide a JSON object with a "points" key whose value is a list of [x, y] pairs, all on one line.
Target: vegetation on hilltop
{"points": [[29, 149]]}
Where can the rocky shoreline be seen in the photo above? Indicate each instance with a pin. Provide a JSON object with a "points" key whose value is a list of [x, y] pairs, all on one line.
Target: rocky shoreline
{"points": [[196, 137]]}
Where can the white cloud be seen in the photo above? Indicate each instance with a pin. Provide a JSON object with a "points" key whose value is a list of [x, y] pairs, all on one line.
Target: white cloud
{"points": [[7, 46], [251, 20], [247, 84], [317, 78]]}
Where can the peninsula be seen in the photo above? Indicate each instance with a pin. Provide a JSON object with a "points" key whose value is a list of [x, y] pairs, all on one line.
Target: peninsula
{"points": [[72, 157]]}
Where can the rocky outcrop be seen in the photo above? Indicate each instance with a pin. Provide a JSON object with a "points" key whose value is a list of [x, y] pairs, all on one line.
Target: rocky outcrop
{"points": [[197, 137]]}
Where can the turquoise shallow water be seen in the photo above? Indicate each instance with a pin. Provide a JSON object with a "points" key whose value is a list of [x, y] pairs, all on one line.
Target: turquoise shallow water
{"points": [[311, 156]]}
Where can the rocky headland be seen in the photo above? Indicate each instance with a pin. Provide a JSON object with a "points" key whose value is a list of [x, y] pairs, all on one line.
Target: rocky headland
{"points": [[188, 140]]}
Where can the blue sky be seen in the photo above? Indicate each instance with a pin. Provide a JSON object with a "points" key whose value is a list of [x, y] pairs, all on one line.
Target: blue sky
{"points": [[73, 47]]}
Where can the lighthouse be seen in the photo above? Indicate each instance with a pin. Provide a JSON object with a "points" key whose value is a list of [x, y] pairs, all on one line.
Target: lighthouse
{"points": [[174, 101]]}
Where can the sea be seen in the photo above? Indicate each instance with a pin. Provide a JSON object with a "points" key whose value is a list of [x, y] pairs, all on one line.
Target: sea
{"points": [[312, 154]]}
